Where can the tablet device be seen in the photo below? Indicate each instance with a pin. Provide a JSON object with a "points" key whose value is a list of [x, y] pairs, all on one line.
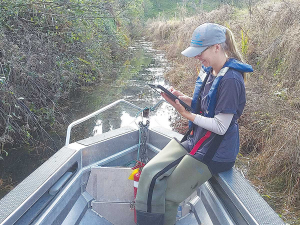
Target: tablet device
{"points": [[170, 95]]}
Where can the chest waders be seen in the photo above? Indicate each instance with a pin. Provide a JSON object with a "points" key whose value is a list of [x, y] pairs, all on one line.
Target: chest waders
{"points": [[172, 176]]}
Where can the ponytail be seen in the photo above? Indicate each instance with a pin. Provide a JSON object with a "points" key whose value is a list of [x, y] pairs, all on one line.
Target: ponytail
{"points": [[230, 48]]}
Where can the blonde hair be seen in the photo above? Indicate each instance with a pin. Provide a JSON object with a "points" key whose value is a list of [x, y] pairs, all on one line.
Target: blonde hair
{"points": [[230, 48]]}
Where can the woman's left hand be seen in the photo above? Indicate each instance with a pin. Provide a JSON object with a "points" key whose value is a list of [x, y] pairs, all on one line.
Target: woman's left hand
{"points": [[176, 104]]}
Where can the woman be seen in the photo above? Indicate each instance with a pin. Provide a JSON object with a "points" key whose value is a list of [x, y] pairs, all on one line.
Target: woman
{"points": [[212, 144]]}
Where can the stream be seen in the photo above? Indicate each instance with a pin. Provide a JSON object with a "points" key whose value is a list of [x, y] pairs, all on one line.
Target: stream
{"points": [[146, 65]]}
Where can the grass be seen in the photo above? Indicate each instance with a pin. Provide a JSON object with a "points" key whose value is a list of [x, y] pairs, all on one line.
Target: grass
{"points": [[270, 125]]}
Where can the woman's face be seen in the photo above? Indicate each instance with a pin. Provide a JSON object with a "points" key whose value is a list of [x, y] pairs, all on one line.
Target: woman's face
{"points": [[206, 57]]}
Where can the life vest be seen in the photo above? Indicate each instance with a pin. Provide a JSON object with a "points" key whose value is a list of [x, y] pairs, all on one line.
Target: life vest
{"points": [[211, 102], [212, 94]]}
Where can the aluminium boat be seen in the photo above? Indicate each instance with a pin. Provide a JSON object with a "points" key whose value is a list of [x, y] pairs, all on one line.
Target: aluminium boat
{"points": [[86, 183]]}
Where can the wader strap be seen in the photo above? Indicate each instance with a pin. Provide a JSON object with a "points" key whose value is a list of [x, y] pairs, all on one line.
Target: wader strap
{"points": [[200, 142], [198, 108], [186, 135], [211, 151], [213, 148], [152, 184], [198, 104]]}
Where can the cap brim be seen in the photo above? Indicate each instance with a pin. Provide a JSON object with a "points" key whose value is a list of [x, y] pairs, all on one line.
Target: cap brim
{"points": [[193, 51]]}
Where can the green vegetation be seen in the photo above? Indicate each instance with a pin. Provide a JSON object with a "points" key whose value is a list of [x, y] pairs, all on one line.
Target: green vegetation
{"points": [[181, 8], [244, 41], [49, 48]]}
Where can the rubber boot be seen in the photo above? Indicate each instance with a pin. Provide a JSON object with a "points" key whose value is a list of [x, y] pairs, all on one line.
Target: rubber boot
{"points": [[145, 218]]}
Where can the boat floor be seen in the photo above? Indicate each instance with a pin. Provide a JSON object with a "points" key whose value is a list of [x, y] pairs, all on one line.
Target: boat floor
{"points": [[109, 191], [93, 218]]}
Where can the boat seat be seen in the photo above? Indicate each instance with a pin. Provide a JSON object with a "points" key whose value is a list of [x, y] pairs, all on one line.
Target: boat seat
{"points": [[242, 201]]}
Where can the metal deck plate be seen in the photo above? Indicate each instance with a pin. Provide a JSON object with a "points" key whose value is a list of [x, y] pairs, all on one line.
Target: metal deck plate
{"points": [[246, 199]]}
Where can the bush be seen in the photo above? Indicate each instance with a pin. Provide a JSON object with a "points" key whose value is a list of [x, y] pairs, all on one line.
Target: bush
{"points": [[48, 49]]}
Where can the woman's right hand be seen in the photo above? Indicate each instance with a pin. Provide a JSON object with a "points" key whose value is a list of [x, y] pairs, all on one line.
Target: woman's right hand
{"points": [[175, 92]]}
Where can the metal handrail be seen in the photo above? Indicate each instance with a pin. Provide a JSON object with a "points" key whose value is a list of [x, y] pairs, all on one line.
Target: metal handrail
{"points": [[95, 114]]}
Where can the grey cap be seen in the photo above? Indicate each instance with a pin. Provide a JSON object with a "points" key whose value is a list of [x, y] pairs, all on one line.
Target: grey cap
{"points": [[205, 35]]}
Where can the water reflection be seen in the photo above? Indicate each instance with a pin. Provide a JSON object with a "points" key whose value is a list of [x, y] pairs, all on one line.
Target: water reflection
{"points": [[144, 65]]}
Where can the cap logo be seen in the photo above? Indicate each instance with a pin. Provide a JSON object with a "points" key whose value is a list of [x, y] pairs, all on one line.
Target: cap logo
{"points": [[195, 41], [197, 36]]}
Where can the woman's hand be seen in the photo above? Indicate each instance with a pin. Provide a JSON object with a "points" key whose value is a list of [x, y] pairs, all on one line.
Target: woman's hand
{"points": [[187, 100], [176, 104]]}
